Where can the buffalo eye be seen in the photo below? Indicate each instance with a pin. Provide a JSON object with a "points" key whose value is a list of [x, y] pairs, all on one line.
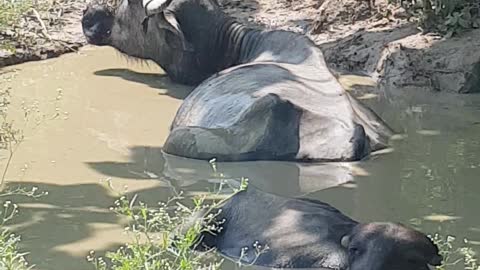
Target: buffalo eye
{"points": [[354, 251]]}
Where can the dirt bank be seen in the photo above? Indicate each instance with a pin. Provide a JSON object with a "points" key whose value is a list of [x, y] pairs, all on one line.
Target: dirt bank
{"points": [[379, 41], [47, 29]]}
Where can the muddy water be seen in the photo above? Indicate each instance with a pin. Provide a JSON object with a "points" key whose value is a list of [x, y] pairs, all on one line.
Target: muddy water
{"points": [[101, 117], [84, 109]]}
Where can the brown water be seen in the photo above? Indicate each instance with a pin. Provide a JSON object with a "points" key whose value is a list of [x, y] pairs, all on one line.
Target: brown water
{"points": [[106, 118]]}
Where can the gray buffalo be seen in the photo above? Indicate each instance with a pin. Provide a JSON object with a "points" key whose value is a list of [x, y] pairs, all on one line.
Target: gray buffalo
{"points": [[306, 233], [261, 95]]}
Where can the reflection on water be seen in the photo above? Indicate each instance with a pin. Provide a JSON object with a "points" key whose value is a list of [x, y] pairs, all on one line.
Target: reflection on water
{"points": [[119, 116]]}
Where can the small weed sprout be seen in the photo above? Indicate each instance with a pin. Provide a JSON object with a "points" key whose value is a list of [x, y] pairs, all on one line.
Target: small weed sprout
{"points": [[10, 257], [453, 256], [258, 250], [163, 236], [450, 17], [10, 139]]}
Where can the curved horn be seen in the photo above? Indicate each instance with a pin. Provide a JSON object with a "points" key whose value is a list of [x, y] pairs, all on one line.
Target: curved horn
{"points": [[154, 6], [345, 241]]}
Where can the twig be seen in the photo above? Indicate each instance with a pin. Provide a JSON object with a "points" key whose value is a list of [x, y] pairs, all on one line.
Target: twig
{"points": [[64, 43], [5, 170], [44, 28], [45, 31]]}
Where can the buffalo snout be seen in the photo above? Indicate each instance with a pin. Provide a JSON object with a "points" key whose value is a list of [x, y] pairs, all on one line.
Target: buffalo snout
{"points": [[389, 246], [97, 24]]}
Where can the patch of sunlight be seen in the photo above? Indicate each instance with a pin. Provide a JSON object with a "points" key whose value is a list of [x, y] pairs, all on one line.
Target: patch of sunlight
{"points": [[474, 243], [100, 236], [358, 171], [398, 137], [428, 132], [185, 170], [367, 96], [90, 209], [474, 229], [350, 185], [349, 81], [383, 151], [36, 218], [208, 195], [441, 218]]}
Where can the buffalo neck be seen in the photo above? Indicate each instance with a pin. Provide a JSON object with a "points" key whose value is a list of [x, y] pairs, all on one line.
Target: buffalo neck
{"points": [[219, 41]]}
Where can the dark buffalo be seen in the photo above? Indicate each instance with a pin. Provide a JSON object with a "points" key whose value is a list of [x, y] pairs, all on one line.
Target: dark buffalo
{"points": [[305, 233], [262, 95]]}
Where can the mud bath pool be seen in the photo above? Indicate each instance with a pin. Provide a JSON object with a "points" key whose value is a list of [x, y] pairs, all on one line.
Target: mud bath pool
{"points": [[108, 118]]}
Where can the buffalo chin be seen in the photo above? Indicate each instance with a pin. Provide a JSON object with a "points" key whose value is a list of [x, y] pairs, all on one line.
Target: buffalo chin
{"points": [[96, 42]]}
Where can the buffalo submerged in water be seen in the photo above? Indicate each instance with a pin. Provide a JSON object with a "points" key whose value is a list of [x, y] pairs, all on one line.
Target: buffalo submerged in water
{"points": [[306, 233], [262, 95]]}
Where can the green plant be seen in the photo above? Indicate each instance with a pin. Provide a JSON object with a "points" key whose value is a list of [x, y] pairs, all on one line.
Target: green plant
{"points": [[12, 10], [163, 236], [449, 17], [10, 139], [452, 256], [457, 21], [10, 256]]}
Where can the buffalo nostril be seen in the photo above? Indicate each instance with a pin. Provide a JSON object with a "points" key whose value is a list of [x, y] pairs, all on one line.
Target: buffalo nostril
{"points": [[87, 23]]}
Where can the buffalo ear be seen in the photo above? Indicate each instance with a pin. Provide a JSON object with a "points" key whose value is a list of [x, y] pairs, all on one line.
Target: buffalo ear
{"points": [[154, 6], [436, 260], [159, 11], [171, 24], [345, 241]]}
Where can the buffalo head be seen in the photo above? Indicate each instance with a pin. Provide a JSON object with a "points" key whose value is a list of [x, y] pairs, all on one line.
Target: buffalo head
{"points": [[380, 246], [149, 29]]}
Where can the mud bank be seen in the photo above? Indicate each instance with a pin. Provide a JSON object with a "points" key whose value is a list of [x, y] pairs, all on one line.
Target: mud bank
{"points": [[379, 42], [402, 57], [47, 29]]}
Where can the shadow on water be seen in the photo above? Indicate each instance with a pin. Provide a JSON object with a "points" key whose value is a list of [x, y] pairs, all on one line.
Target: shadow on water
{"points": [[285, 178], [59, 229], [158, 81]]}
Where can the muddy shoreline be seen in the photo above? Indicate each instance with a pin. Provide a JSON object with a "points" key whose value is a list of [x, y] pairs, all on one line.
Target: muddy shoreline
{"points": [[46, 30], [381, 44]]}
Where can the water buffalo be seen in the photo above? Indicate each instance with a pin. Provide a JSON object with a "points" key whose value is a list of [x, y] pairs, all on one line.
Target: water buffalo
{"points": [[306, 233], [262, 95]]}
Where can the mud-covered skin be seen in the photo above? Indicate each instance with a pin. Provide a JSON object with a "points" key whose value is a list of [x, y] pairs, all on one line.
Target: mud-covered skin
{"points": [[305, 233], [265, 95]]}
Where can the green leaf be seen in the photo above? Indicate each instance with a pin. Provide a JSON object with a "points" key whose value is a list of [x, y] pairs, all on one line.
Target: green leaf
{"points": [[449, 33], [464, 23], [466, 12]]}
